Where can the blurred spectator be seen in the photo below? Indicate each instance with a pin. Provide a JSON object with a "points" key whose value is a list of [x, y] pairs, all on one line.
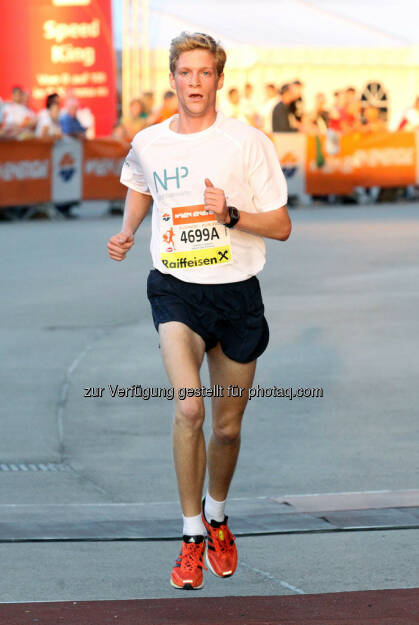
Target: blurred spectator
{"points": [[148, 102], [43, 115], [320, 115], [32, 119], [69, 122], [49, 120], [249, 108], [297, 105], [136, 119], [119, 133], [87, 121], [231, 107], [373, 121], [271, 100], [410, 118], [334, 118], [352, 109], [281, 114], [17, 116], [168, 108], [346, 113], [84, 115]]}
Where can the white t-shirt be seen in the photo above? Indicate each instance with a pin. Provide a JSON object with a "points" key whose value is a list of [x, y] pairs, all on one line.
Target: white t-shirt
{"points": [[267, 111], [233, 110], [248, 106], [186, 241], [44, 120], [412, 117], [15, 114]]}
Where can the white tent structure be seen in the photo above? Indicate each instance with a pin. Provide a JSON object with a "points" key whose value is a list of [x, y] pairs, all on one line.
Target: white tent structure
{"points": [[328, 44]]}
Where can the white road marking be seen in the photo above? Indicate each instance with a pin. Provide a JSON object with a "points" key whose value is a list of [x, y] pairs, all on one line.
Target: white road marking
{"points": [[273, 578], [62, 401]]}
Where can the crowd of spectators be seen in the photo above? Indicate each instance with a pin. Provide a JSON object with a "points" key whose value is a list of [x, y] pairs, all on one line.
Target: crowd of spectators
{"points": [[58, 118], [143, 112], [282, 109]]}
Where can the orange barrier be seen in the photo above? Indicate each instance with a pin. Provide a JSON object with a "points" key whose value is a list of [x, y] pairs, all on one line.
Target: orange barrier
{"points": [[36, 170], [25, 172], [102, 164], [386, 159]]}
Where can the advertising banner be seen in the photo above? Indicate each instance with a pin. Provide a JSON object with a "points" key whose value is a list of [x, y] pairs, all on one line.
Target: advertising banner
{"points": [[62, 46], [25, 172], [38, 170], [291, 150], [339, 164], [103, 160], [66, 171]]}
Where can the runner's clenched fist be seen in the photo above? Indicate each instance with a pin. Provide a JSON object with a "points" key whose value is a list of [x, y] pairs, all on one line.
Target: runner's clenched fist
{"points": [[215, 201], [120, 244]]}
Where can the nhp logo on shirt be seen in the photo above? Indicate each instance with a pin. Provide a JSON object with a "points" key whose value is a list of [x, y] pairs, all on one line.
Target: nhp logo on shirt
{"points": [[66, 168], [164, 178]]}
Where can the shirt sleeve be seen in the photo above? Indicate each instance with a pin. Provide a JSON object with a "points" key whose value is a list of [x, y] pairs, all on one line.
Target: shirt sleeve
{"points": [[265, 176], [132, 175], [65, 124]]}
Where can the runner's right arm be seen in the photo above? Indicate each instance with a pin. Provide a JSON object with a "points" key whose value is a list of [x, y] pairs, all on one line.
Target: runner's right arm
{"points": [[136, 208]]}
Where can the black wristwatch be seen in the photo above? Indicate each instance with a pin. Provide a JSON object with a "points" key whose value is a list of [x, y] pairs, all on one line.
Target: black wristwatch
{"points": [[234, 216]]}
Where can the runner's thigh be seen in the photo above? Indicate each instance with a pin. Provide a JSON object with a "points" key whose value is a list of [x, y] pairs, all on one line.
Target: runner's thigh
{"points": [[225, 372], [182, 351]]}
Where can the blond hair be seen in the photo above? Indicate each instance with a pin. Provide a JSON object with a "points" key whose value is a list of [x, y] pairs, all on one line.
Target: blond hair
{"points": [[186, 42]]}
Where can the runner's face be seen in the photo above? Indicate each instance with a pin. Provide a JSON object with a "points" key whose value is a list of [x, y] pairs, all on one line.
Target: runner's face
{"points": [[196, 82]]}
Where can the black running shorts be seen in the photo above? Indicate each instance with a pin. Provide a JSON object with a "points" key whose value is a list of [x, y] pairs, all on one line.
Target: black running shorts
{"points": [[231, 313]]}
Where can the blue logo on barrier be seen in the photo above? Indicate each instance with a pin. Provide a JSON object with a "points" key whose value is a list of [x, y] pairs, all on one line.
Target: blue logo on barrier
{"points": [[66, 167], [289, 164]]}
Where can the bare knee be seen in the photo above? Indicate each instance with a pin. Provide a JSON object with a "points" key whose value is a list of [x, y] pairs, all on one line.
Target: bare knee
{"points": [[190, 413], [227, 432]]}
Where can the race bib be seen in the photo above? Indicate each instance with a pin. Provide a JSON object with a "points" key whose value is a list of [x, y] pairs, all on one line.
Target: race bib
{"points": [[190, 237]]}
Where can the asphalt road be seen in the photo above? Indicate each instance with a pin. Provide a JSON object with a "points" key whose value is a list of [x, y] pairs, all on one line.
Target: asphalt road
{"points": [[341, 299]]}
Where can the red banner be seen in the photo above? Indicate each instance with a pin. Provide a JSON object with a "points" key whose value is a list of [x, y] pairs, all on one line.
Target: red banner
{"points": [[62, 46]]}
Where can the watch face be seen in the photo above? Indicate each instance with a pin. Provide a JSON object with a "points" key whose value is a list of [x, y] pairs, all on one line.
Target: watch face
{"points": [[234, 216]]}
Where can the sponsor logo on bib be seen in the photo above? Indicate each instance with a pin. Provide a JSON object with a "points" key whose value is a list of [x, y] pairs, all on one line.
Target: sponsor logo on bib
{"points": [[194, 238]]}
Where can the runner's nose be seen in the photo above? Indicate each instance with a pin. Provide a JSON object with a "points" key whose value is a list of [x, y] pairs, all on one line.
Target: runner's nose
{"points": [[194, 79]]}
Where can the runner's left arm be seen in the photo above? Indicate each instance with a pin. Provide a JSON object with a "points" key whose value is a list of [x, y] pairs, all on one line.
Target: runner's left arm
{"points": [[264, 175], [273, 224]]}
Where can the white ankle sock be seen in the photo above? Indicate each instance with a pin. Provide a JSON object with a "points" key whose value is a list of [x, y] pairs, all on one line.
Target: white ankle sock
{"points": [[193, 525], [214, 509]]}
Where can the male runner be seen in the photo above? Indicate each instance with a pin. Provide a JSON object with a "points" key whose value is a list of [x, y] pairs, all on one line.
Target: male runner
{"points": [[217, 189]]}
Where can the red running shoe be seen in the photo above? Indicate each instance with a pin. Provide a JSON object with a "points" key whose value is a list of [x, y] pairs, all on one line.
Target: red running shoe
{"points": [[221, 551], [187, 572]]}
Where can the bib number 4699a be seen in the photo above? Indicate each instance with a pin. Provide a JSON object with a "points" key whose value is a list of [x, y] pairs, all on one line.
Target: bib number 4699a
{"points": [[196, 235]]}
